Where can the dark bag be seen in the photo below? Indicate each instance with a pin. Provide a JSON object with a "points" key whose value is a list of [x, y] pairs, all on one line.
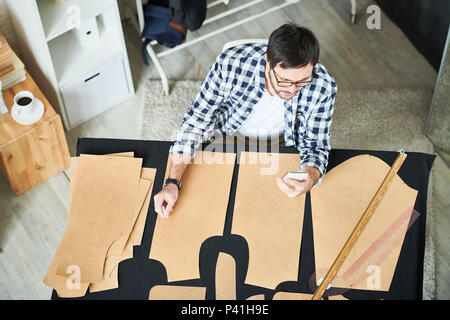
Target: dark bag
{"points": [[159, 26], [188, 13]]}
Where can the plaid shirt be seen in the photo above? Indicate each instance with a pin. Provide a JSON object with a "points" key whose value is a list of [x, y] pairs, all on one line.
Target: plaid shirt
{"points": [[235, 83]]}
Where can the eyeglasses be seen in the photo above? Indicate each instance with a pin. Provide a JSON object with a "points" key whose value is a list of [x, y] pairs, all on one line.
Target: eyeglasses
{"points": [[287, 84]]}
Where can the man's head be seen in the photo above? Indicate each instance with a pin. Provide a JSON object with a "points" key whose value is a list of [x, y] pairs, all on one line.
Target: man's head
{"points": [[292, 52]]}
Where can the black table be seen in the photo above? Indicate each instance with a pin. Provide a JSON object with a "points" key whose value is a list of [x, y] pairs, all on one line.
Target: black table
{"points": [[139, 274]]}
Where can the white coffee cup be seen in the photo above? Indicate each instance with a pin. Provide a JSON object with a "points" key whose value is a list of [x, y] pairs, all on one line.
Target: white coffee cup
{"points": [[23, 103]]}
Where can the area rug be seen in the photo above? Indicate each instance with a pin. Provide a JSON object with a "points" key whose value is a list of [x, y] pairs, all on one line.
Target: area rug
{"points": [[367, 119], [162, 115]]}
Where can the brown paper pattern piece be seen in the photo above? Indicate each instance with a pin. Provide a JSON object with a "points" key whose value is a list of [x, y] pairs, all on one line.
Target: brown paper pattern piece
{"points": [[118, 246], [104, 203], [281, 295], [198, 214], [138, 228], [107, 284], [110, 281], [256, 297], [338, 203], [167, 292], [225, 277], [337, 297], [268, 219], [62, 284], [112, 261], [115, 253]]}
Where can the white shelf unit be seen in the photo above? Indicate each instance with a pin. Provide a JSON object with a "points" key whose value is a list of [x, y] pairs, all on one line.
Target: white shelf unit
{"points": [[72, 73], [53, 15]]}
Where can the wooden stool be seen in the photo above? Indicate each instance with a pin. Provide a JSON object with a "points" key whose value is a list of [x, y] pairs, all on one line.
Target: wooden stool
{"points": [[31, 154]]}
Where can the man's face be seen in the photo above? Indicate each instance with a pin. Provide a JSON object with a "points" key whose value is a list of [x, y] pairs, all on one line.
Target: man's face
{"points": [[283, 80]]}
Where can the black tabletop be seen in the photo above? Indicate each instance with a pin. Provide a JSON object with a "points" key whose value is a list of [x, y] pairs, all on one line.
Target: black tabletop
{"points": [[139, 274]]}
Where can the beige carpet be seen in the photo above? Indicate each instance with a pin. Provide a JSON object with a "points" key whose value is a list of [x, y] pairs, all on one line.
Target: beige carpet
{"points": [[367, 119]]}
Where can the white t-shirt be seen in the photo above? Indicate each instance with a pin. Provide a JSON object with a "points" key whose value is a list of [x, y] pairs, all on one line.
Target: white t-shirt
{"points": [[266, 119]]}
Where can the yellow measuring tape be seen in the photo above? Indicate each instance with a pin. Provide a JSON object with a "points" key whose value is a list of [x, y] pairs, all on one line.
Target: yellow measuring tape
{"points": [[359, 227]]}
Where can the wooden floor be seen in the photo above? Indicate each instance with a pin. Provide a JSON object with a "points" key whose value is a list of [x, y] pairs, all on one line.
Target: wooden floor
{"points": [[31, 226]]}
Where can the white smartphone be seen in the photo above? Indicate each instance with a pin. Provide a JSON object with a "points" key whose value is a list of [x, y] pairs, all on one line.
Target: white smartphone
{"points": [[300, 176]]}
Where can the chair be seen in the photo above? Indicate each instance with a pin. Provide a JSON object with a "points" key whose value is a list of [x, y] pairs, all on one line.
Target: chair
{"points": [[139, 24], [242, 41]]}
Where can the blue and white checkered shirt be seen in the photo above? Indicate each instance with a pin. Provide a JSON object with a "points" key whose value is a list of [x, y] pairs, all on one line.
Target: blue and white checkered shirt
{"points": [[235, 83]]}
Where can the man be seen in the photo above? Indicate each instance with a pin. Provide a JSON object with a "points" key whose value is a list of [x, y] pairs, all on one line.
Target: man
{"points": [[280, 87]]}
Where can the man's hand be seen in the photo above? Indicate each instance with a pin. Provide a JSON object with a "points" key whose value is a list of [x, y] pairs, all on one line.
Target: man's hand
{"points": [[293, 188], [166, 198]]}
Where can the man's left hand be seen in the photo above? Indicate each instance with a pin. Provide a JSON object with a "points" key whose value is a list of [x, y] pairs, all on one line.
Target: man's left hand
{"points": [[293, 188]]}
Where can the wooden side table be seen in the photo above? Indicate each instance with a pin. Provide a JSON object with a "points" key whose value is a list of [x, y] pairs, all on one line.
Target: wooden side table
{"points": [[32, 154]]}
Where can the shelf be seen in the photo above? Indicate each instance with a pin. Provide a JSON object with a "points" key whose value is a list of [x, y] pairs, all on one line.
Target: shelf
{"points": [[71, 61], [54, 16]]}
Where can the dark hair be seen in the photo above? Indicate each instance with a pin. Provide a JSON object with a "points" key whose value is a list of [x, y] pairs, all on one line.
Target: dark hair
{"points": [[293, 46]]}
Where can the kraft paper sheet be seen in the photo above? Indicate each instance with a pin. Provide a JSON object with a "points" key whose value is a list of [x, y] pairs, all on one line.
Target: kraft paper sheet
{"points": [[198, 214], [111, 262], [110, 272], [225, 277], [101, 200], [337, 205], [291, 296], [74, 166], [133, 235], [107, 284], [138, 229], [256, 297], [268, 219], [60, 282], [282, 295], [122, 248], [118, 246], [167, 292], [337, 297]]}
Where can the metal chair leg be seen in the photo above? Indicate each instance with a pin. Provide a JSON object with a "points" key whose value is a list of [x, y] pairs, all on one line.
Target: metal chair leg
{"points": [[139, 27], [353, 12], [162, 74]]}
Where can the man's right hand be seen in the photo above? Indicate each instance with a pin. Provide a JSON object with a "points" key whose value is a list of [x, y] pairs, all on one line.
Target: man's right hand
{"points": [[167, 197]]}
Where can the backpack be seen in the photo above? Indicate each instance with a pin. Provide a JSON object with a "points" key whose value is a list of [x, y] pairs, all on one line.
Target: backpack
{"points": [[188, 13], [160, 27], [167, 21]]}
